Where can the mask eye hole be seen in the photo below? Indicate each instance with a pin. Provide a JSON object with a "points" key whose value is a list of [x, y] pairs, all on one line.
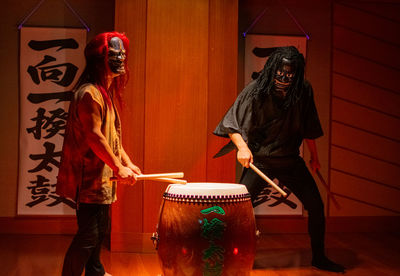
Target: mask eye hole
{"points": [[280, 73], [116, 54], [112, 53]]}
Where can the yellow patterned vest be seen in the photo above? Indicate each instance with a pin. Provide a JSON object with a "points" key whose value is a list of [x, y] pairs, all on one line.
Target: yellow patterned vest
{"points": [[82, 175]]}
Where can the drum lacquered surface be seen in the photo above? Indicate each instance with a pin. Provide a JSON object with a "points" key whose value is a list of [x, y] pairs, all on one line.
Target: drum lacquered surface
{"points": [[206, 229]]}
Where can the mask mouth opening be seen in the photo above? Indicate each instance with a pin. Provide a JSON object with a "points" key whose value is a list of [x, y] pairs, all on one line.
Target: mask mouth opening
{"points": [[281, 86], [282, 83], [117, 67]]}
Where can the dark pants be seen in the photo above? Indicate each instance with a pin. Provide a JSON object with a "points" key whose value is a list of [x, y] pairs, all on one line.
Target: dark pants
{"points": [[295, 176], [84, 251]]}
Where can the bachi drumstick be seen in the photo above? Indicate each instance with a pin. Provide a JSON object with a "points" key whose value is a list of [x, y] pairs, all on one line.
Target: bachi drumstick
{"points": [[170, 180], [154, 176], [327, 190], [266, 178], [159, 175]]}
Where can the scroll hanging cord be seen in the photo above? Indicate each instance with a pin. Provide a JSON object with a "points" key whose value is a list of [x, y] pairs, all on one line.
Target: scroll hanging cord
{"points": [[66, 3], [261, 14]]}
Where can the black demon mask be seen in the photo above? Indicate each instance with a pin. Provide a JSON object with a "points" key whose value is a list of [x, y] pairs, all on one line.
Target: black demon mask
{"points": [[284, 75]]}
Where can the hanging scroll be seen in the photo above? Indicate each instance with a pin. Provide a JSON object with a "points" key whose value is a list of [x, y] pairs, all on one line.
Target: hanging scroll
{"points": [[51, 61], [257, 50]]}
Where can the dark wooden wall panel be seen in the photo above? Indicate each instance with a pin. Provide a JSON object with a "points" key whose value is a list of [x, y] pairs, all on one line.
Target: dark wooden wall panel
{"points": [[364, 167], [355, 210], [365, 143], [354, 18], [363, 94], [366, 192], [365, 70], [385, 9], [377, 50], [366, 119]]}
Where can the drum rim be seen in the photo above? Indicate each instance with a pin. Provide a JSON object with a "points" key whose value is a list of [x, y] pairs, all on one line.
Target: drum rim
{"points": [[204, 188], [207, 198]]}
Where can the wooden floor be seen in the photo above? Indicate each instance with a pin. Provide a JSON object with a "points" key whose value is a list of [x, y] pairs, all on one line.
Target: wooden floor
{"points": [[362, 253]]}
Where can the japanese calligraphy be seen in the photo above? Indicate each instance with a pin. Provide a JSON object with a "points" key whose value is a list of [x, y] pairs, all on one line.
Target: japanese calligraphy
{"points": [[267, 195], [49, 69], [41, 191], [52, 124], [68, 43], [46, 158], [41, 97], [215, 209], [212, 231], [53, 72]]}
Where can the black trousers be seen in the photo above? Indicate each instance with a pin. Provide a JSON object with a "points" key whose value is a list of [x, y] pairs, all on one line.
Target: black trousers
{"points": [[294, 175], [84, 251]]}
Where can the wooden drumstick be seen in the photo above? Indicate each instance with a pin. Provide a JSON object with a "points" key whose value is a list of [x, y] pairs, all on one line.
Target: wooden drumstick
{"points": [[327, 190], [266, 178], [170, 180], [162, 179], [153, 176], [159, 175]]}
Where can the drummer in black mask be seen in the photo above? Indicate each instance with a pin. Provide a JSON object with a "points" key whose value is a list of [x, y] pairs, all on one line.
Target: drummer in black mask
{"points": [[267, 123]]}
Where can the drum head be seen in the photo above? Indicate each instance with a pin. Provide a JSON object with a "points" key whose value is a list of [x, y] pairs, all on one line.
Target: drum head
{"points": [[207, 188]]}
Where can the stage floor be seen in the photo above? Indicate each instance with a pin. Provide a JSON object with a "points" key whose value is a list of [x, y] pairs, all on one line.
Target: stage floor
{"points": [[363, 254]]}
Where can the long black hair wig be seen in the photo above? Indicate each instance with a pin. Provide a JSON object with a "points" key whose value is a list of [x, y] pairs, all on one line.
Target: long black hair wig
{"points": [[265, 81]]}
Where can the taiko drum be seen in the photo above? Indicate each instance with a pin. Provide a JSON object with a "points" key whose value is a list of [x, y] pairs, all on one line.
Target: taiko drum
{"points": [[206, 229]]}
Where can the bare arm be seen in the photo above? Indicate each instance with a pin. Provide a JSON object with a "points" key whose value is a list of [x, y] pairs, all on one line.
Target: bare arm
{"points": [[314, 162], [89, 115], [244, 155]]}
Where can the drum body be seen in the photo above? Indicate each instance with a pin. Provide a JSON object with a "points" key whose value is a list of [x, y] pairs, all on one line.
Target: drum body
{"points": [[206, 229]]}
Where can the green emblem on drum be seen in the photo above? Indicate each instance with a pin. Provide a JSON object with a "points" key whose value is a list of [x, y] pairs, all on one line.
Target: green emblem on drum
{"points": [[213, 231], [215, 209], [214, 258]]}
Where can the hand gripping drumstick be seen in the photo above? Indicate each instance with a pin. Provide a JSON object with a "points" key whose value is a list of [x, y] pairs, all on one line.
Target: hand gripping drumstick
{"points": [[266, 178]]}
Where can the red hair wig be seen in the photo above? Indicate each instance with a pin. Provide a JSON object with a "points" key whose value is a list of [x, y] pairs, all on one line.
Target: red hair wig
{"points": [[97, 69]]}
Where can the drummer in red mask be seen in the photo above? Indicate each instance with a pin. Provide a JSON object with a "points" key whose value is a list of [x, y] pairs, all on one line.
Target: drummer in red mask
{"points": [[92, 151], [267, 123]]}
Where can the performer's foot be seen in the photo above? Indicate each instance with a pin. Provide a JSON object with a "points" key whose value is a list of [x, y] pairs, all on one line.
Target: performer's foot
{"points": [[324, 263]]}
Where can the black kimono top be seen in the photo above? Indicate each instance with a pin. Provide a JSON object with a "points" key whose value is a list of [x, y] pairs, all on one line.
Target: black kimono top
{"points": [[270, 129]]}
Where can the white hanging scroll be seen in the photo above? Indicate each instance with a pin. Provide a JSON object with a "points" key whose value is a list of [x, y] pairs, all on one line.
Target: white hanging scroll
{"points": [[51, 61], [257, 50]]}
